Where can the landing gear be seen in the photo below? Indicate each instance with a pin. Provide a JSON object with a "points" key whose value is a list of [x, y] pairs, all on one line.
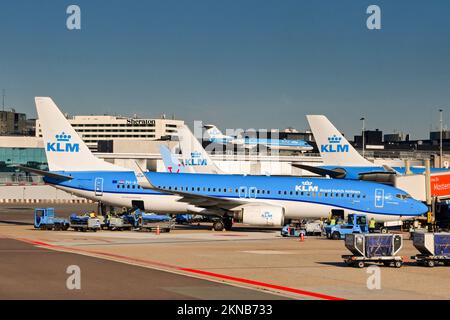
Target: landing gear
{"points": [[218, 225], [224, 223], [228, 223]]}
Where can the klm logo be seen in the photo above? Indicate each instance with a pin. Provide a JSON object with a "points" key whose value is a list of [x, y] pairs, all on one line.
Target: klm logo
{"points": [[63, 144], [307, 186], [334, 145], [195, 160]]}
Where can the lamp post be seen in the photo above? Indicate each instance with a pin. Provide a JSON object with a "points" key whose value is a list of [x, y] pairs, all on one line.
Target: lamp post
{"points": [[363, 138], [440, 138]]}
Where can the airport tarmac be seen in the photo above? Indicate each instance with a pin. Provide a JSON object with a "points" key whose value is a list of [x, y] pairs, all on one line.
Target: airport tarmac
{"points": [[242, 258]]}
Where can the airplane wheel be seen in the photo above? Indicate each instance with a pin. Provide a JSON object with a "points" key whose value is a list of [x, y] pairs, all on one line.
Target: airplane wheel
{"points": [[218, 225], [430, 263]]}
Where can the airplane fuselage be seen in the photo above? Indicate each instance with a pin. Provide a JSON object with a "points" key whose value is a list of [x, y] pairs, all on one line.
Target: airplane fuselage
{"points": [[300, 197]]}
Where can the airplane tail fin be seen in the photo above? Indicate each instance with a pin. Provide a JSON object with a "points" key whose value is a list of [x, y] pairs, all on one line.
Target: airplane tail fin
{"points": [[333, 147], [194, 155], [170, 160], [212, 132], [64, 148]]}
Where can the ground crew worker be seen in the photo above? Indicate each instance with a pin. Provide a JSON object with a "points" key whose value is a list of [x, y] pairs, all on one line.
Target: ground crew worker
{"points": [[92, 214], [333, 221], [372, 225]]}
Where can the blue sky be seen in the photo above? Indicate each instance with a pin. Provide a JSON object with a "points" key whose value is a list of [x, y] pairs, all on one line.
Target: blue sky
{"points": [[238, 64]]}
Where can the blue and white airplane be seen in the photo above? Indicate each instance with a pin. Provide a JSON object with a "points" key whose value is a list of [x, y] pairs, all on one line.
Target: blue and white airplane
{"points": [[341, 160], [254, 200], [214, 135]]}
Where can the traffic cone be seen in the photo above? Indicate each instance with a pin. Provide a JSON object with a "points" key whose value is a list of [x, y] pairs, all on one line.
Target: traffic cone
{"points": [[302, 236], [157, 230]]}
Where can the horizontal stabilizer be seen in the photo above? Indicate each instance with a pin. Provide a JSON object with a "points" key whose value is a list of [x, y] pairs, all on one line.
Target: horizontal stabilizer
{"points": [[45, 173], [321, 171]]}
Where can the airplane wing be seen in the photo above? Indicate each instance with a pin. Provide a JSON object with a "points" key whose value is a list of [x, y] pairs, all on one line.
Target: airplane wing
{"points": [[320, 171], [202, 201], [45, 173]]}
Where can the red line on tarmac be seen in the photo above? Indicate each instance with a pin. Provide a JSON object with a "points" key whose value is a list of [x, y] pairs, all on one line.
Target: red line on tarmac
{"points": [[195, 271], [262, 284]]}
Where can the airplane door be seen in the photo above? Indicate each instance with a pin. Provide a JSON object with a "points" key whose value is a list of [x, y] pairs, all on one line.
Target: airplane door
{"points": [[98, 186], [252, 192], [242, 192], [379, 198]]}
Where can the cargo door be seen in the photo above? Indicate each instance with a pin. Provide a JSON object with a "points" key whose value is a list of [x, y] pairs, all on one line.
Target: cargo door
{"points": [[379, 198], [98, 186]]}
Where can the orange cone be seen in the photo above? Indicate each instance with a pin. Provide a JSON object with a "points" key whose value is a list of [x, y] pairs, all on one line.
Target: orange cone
{"points": [[302, 236], [158, 231]]}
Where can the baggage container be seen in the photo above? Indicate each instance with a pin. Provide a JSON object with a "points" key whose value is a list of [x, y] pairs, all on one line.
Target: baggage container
{"points": [[434, 248], [380, 248], [374, 245], [432, 244]]}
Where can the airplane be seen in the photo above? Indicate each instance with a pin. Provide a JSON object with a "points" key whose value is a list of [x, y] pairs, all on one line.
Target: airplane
{"points": [[254, 200], [171, 162], [341, 160], [214, 135]]}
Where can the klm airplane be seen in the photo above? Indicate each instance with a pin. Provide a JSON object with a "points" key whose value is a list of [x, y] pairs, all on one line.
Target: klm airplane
{"points": [[254, 200], [214, 135], [341, 160]]}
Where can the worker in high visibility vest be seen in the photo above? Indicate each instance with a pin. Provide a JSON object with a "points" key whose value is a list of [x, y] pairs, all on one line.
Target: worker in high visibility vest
{"points": [[372, 224], [333, 221]]}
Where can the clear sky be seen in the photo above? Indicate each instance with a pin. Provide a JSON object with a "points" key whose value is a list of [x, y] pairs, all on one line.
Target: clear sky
{"points": [[234, 63]]}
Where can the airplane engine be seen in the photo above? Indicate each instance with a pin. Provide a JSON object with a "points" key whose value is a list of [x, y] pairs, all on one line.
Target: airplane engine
{"points": [[261, 215]]}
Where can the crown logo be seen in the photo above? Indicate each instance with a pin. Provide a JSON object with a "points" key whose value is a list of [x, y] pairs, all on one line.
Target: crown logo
{"points": [[63, 137], [307, 183], [196, 154], [334, 139]]}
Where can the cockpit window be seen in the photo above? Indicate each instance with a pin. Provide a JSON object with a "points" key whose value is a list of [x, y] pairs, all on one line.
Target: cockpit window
{"points": [[403, 196]]}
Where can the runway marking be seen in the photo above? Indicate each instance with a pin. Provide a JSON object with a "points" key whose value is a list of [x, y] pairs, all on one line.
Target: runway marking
{"points": [[263, 284], [178, 268]]}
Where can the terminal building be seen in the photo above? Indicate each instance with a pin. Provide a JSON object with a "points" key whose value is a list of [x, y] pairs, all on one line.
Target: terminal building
{"points": [[95, 129], [13, 123]]}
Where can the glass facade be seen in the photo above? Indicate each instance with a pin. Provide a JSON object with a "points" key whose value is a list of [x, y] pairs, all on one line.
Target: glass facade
{"points": [[30, 157]]}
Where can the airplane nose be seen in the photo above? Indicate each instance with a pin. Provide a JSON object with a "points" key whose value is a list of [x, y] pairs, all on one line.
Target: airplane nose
{"points": [[421, 208]]}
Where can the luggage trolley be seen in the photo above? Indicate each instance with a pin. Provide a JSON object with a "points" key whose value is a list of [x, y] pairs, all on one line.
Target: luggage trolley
{"points": [[434, 248], [378, 248]]}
